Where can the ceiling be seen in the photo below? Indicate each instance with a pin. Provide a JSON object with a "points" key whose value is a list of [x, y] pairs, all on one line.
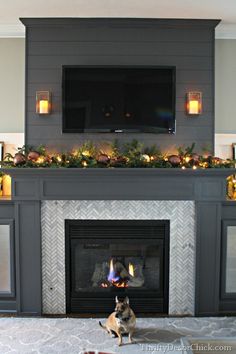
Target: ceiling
{"points": [[11, 10]]}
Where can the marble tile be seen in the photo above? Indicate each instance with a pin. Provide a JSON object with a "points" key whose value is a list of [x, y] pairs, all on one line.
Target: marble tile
{"points": [[182, 245]]}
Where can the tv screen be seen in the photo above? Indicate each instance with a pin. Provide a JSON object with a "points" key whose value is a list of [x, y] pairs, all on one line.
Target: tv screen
{"points": [[118, 99]]}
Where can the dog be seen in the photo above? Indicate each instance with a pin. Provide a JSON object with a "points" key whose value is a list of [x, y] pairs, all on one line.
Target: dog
{"points": [[121, 321]]}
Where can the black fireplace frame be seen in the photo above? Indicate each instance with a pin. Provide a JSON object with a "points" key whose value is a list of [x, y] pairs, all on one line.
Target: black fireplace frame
{"points": [[104, 303]]}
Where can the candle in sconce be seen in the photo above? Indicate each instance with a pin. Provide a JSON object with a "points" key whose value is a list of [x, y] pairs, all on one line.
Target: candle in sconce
{"points": [[43, 106], [193, 107]]}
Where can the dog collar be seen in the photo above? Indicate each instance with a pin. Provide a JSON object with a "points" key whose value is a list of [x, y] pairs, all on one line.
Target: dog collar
{"points": [[126, 319]]}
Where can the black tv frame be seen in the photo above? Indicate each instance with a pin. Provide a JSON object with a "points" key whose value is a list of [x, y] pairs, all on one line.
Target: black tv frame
{"points": [[129, 130]]}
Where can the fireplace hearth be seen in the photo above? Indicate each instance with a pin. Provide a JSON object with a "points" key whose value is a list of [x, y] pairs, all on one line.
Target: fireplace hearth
{"points": [[108, 258]]}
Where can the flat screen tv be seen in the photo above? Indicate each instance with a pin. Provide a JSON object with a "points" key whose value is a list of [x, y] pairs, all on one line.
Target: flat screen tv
{"points": [[118, 99]]}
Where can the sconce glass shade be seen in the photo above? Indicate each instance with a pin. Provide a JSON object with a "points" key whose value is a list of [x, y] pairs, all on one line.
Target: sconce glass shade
{"points": [[43, 102], [194, 103]]}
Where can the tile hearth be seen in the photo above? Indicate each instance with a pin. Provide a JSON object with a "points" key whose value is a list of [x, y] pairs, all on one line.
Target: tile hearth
{"points": [[75, 335], [182, 245]]}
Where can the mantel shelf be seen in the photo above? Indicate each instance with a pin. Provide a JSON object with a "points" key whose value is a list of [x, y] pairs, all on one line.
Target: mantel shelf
{"points": [[144, 172], [118, 184]]}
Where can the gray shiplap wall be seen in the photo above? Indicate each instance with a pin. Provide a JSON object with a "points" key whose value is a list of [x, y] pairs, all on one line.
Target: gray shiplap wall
{"points": [[186, 44]]}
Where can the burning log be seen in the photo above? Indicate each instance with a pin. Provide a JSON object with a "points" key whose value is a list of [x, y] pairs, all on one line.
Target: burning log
{"points": [[99, 274], [136, 278], [117, 275]]}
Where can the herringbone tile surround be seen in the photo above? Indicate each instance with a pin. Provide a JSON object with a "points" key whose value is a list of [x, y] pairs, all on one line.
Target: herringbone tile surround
{"points": [[182, 245]]}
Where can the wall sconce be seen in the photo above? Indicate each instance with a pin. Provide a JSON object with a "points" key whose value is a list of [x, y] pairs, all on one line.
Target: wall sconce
{"points": [[43, 102], [194, 103]]}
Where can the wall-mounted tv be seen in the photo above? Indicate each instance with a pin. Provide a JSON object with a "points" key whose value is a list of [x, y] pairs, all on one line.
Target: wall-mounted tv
{"points": [[118, 99]]}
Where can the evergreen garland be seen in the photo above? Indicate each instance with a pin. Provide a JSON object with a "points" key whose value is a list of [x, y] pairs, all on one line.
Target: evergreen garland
{"points": [[130, 155]]}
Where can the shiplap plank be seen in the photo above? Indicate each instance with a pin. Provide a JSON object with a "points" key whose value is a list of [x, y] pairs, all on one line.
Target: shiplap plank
{"points": [[121, 48], [180, 104], [181, 89], [135, 34], [48, 76], [55, 131], [180, 62], [182, 119]]}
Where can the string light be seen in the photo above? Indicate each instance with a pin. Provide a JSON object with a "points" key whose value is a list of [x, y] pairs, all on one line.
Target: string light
{"points": [[88, 156], [40, 160]]}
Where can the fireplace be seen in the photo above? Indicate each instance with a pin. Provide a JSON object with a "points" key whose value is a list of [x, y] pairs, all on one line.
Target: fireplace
{"points": [[105, 258]]}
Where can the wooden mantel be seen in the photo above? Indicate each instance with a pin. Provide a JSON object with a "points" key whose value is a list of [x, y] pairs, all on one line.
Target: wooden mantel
{"points": [[119, 184], [30, 186]]}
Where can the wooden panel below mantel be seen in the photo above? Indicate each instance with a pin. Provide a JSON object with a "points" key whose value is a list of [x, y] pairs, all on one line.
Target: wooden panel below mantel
{"points": [[119, 184]]}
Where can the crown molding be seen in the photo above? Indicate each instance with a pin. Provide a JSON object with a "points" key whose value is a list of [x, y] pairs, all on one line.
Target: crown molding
{"points": [[226, 31], [12, 31], [223, 31], [120, 21]]}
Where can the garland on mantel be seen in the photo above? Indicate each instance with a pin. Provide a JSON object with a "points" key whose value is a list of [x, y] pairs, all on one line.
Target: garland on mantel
{"points": [[130, 155]]}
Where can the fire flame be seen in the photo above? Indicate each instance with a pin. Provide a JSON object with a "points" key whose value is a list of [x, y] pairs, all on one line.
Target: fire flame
{"points": [[131, 269], [114, 279], [120, 284], [104, 285], [112, 274]]}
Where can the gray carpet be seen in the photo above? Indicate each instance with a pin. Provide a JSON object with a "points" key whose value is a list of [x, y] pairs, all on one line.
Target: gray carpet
{"points": [[75, 335]]}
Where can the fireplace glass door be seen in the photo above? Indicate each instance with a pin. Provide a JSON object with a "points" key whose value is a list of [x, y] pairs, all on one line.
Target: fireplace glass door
{"points": [[114, 264], [116, 258]]}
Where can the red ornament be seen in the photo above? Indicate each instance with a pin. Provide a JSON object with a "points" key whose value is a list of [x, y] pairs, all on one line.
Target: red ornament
{"points": [[33, 155], [195, 157], [48, 159], [103, 158], [217, 160], [174, 160], [19, 159], [118, 161]]}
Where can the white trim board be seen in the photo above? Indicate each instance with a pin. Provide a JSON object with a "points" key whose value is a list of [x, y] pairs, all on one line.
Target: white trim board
{"points": [[12, 141], [12, 31], [223, 145]]}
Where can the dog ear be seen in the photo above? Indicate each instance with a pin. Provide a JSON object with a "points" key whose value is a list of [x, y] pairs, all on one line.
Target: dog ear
{"points": [[126, 300], [117, 300]]}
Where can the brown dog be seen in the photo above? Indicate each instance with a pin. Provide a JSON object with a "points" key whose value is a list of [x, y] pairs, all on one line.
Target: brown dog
{"points": [[121, 321]]}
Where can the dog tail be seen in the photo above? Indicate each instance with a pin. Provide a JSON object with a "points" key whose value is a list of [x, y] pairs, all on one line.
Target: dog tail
{"points": [[100, 323]]}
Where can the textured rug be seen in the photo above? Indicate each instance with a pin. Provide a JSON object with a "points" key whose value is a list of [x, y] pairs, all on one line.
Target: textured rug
{"points": [[76, 335]]}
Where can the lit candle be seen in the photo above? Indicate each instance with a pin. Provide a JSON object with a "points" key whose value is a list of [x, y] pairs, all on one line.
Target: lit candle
{"points": [[193, 107], [1, 185], [43, 107], [6, 191]]}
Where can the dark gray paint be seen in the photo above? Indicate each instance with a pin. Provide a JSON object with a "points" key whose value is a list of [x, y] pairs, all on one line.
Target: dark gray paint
{"points": [[206, 187], [207, 258], [186, 44], [227, 303], [11, 293], [8, 301], [119, 184], [28, 257]]}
